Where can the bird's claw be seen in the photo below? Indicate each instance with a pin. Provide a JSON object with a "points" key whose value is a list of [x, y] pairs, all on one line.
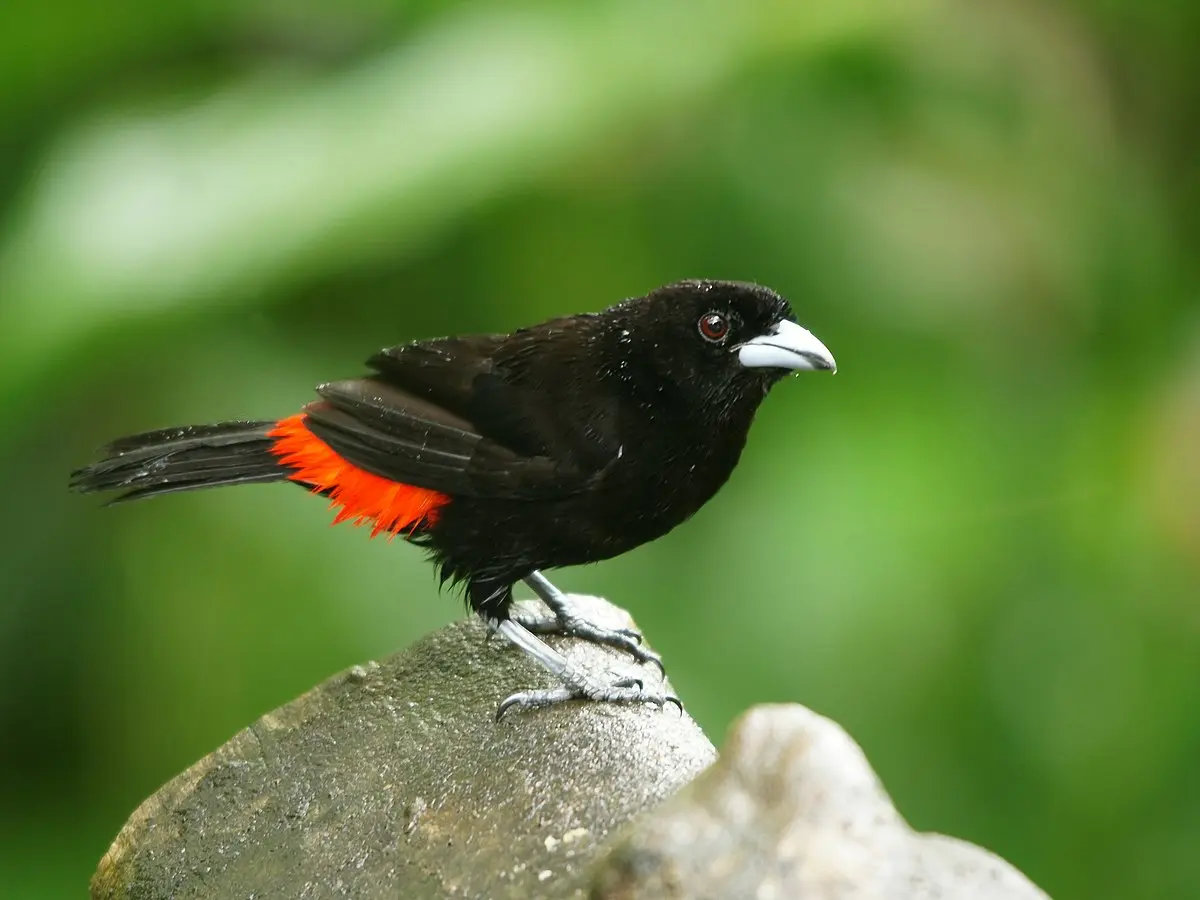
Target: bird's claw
{"points": [[623, 690], [626, 639]]}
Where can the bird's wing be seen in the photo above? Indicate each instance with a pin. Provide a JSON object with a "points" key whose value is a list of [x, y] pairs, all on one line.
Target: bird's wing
{"points": [[443, 415]]}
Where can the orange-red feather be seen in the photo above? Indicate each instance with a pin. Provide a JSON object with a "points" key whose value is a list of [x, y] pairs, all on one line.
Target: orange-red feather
{"points": [[362, 496]]}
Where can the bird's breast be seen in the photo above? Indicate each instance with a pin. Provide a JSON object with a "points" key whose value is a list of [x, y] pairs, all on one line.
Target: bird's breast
{"points": [[654, 486]]}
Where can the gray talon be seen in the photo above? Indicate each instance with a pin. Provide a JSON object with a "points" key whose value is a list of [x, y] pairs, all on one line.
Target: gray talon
{"points": [[573, 626], [566, 620], [624, 690], [522, 628]]}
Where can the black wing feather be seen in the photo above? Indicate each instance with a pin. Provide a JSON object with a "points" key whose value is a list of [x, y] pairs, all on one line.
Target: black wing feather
{"points": [[418, 422]]}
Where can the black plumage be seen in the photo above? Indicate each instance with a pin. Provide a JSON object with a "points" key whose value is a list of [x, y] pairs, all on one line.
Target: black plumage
{"points": [[564, 443]]}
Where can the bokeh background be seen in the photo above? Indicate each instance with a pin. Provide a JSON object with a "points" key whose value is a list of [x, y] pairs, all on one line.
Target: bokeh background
{"points": [[977, 547]]}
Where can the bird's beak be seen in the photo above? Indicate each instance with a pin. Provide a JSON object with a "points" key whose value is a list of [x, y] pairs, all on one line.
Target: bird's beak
{"points": [[786, 346]]}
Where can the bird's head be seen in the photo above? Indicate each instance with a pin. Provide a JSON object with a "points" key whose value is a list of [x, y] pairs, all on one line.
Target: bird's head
{"points": [[721, 340]]}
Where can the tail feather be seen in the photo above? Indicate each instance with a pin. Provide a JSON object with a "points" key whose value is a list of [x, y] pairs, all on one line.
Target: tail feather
{"points": [[183, 459]]}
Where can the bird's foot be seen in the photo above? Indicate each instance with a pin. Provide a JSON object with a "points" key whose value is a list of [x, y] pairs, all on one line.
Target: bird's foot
{"points": [[570, 624], [624, 690]]}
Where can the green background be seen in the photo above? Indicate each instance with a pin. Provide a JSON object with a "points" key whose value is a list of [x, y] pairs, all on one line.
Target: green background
{"points": [[977, 547]]}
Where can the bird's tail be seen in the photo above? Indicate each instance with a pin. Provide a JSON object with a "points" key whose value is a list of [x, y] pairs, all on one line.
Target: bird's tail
{"points": [[184, 459]]}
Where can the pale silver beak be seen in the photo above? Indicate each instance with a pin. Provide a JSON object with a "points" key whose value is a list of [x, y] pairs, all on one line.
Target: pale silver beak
{"points": [[786, 346]]}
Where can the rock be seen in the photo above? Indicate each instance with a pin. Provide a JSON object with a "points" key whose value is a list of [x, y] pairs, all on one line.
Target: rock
{"points": [[394, 780], [793, 810]]}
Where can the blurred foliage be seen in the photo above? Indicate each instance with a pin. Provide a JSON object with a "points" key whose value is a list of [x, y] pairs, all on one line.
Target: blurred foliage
{"points": [[978, 547]]}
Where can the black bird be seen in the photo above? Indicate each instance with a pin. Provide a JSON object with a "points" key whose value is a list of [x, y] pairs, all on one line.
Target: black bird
{"points": [[505, 455]]}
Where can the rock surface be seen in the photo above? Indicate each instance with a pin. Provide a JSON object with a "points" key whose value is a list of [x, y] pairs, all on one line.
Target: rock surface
{"points": [[793, 810], [394, 780]]}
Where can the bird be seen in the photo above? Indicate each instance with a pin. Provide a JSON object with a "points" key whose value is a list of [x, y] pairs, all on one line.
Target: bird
{"points": [[507, 455]]}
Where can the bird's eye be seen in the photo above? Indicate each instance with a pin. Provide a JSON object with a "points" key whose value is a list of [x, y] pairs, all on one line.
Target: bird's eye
{"points": [[713, 326]]}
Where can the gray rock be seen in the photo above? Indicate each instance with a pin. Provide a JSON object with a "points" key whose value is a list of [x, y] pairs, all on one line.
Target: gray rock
{"points": [[394, 780], [793, 810]]}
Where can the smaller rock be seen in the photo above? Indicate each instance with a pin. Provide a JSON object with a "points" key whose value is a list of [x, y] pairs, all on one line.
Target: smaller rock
{"points": [[793, 809]]}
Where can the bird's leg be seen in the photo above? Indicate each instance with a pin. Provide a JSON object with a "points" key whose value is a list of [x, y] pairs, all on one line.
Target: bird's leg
{"points": [[577, 684], [567, 620]]}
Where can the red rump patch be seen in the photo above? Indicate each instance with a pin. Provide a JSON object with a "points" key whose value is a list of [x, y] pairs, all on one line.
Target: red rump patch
{"points": [[362, 496]]}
